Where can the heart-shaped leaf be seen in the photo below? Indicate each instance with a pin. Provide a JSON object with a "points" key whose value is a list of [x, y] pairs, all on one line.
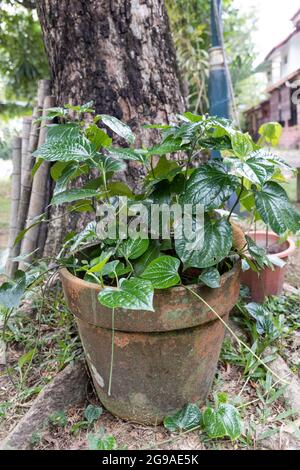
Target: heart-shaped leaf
{"points": [[217, 245], [109, 164], [210, 185], [92, 413], [150, 254], [187, 418], [69, 149], [166, 147], [132, 294], [256, 170], [211, 277], [101, 442], [133, 248], [266, 155], [273, 206], [118, 127], [271, 132], [12, 292], [118, 188], [222, 422], [97, 136], [263, 317], [163, 272], [242, 144], [63, 131]]}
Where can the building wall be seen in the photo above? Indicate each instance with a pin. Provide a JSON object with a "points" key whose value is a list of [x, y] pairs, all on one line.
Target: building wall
{"points": [[290, 138], [294, 54], [285, 60]]}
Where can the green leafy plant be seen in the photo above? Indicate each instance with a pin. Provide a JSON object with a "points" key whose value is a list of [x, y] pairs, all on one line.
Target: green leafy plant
{"points": [[218, 421], [91, 414], [58, 419], [101, 441], [129, 267], [223, 420], [187, 418]]}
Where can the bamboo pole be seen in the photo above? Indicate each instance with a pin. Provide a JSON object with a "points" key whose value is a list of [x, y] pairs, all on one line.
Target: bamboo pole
{"points": [[25, 141], [15, 197], [38, 192], [43, 91], [43, 228]]}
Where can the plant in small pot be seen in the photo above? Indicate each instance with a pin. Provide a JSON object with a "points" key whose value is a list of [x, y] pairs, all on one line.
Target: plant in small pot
{"points": [[276, 242], [152, 280]]}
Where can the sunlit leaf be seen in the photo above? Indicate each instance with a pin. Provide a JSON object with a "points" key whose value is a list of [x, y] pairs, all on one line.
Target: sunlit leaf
{"points": [[163, 272], [133, 294]]}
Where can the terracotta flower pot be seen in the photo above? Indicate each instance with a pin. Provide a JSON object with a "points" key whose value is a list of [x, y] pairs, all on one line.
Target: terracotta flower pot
{"points": [[268, 281], [162, 359]]}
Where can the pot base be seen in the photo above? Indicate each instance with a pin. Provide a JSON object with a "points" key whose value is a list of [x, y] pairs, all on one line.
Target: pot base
{"points": [[156, 374], [267, 282], [162, 360]]}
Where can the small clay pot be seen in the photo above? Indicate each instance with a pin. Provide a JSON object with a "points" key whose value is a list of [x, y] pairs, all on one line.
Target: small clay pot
{"points": [[268, 282], [163, 359]]}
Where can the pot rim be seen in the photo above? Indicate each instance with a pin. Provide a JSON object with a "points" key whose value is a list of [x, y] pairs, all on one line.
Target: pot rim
{"points": [[97, 287], [282, 254]]}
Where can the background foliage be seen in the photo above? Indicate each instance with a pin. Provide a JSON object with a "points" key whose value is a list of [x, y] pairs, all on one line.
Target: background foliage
{"points": [[23, 60], [22, 55], [190, 23]]}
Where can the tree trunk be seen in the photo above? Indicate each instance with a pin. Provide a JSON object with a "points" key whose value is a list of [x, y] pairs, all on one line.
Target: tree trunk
{"points": [[118, 53]]}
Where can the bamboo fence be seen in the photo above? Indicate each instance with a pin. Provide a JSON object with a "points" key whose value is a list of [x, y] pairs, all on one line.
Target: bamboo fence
{"points": [[26, 189]]}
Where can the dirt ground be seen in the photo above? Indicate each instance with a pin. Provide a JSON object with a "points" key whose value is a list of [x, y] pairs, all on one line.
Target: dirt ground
{"points": [[129, 435], [262, 417]]}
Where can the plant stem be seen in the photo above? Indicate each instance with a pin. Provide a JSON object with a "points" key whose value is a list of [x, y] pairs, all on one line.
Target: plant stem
{"points": [[235, 336], [237, 200], [267, 238]]}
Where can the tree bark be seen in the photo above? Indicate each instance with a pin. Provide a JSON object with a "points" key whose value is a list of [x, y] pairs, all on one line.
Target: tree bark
{"points": [[118, 53]]}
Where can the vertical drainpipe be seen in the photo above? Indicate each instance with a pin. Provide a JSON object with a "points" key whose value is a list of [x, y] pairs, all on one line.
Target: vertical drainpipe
{"points": [[218, 87]]}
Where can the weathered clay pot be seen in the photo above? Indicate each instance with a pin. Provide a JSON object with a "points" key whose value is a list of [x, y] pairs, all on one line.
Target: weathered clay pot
{"points": [[162, 359], [267, 282]]}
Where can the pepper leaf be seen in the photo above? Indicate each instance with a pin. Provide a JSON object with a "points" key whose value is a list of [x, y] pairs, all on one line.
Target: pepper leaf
{"points": [[273, 206], [210, 185], [132, 294], [92, 413], [133, 248], [222, 422], [12, 292], [211, 277], [163, 272], [216, 246], [187, 418], [69, 149], [118, 127]]}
